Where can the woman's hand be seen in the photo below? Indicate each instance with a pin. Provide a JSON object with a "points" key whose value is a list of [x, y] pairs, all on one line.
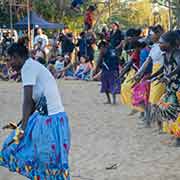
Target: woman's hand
{"points": [[10, 125], [19, 135]]}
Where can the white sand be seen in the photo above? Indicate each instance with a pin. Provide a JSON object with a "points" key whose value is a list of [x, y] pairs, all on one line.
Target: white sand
{"points": [[102, 135]]}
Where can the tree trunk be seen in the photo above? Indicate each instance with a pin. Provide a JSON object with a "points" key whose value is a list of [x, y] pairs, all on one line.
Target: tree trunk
{"points": [[178, 14], [62, 6]]}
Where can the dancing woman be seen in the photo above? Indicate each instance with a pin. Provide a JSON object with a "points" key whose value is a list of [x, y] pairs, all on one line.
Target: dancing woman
{"points": [[129, 71], [109, 63], [169, 105], [38, 148], [156, 58]]}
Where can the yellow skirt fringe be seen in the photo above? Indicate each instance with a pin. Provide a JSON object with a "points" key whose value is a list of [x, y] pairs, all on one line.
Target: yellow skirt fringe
{"points": [[126, 92], [157, 90], [172, 128]]}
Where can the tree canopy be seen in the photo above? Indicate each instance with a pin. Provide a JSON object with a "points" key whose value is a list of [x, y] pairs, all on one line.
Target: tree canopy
{"points": [[128, 13]]}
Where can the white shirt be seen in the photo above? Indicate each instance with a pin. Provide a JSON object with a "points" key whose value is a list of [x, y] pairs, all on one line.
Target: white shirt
{"points": [[35, 74], [156, 54], [59, 66], [43, 38]]}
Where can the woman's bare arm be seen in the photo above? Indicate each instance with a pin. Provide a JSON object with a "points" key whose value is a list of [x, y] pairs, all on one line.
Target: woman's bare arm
{"points": [[28, 105]]}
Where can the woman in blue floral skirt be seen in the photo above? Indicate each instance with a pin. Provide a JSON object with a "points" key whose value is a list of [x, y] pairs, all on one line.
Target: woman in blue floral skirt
{"points": [[38, 148]]}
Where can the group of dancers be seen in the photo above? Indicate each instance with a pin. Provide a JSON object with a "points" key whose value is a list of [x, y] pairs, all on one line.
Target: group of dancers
{"points": [[148, 78], [145, 71]]}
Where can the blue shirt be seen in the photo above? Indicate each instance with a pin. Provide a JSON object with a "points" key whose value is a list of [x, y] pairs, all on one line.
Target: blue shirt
{"points": [[143, 56]]}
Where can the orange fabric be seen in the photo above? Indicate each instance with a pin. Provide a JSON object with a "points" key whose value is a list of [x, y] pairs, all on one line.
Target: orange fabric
{"points": [[89, 18]]}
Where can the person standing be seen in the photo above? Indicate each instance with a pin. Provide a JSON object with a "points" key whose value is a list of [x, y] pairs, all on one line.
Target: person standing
{"points": [[38, 148], [41, 37], [89, 17], [116, 37], [66, 39], [168, 107], [90, 40], [156, 58], [109, 63]]}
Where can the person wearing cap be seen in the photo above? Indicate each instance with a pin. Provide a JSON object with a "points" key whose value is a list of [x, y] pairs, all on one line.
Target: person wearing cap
{"points": [[156, 58]]}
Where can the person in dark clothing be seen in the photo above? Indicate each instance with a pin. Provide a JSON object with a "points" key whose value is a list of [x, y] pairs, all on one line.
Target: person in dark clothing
{"points": [[81, 44], [76, 3], [132, 35], [116, 36], [67, 44], [7, 40], [85, 43], [109, 62]]}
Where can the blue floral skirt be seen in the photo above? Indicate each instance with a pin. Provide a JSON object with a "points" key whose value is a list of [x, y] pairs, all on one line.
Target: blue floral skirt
{"points": [[43, 152]]}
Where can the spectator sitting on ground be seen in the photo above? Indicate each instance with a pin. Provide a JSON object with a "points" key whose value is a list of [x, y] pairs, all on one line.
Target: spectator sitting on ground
{"points": [[63, 68], [4, 73], [68, 69], [83, 71], [59, 65]]}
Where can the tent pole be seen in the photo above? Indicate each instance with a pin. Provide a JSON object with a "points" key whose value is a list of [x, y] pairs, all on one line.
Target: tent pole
{"points": [[29, 25], [11, 17], [109, 5]]}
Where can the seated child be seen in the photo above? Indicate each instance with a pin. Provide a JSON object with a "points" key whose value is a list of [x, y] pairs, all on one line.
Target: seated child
{"points": [[68, 69], [59, 65], [83, 70], [4, 73]]}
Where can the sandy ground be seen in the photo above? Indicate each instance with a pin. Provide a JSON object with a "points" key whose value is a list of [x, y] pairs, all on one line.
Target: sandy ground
{"points": [[102, 135]]}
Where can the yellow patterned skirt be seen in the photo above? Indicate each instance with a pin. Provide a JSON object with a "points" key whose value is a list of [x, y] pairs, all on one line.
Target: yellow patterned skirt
{"points": [[156, 90], [171, 127], [126, 91]]}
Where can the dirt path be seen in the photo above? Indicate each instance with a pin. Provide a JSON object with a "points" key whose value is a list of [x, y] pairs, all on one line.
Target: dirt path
{"points": [[102, 135]]}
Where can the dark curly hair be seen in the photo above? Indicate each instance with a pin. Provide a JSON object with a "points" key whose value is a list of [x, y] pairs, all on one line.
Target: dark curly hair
{"points": [[19, 49]]}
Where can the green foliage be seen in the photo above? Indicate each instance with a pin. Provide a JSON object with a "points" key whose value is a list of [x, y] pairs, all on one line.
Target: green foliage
{"points": [[122, 13], [4, 14], [46, 8], [175, 6], [59, 11]]}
